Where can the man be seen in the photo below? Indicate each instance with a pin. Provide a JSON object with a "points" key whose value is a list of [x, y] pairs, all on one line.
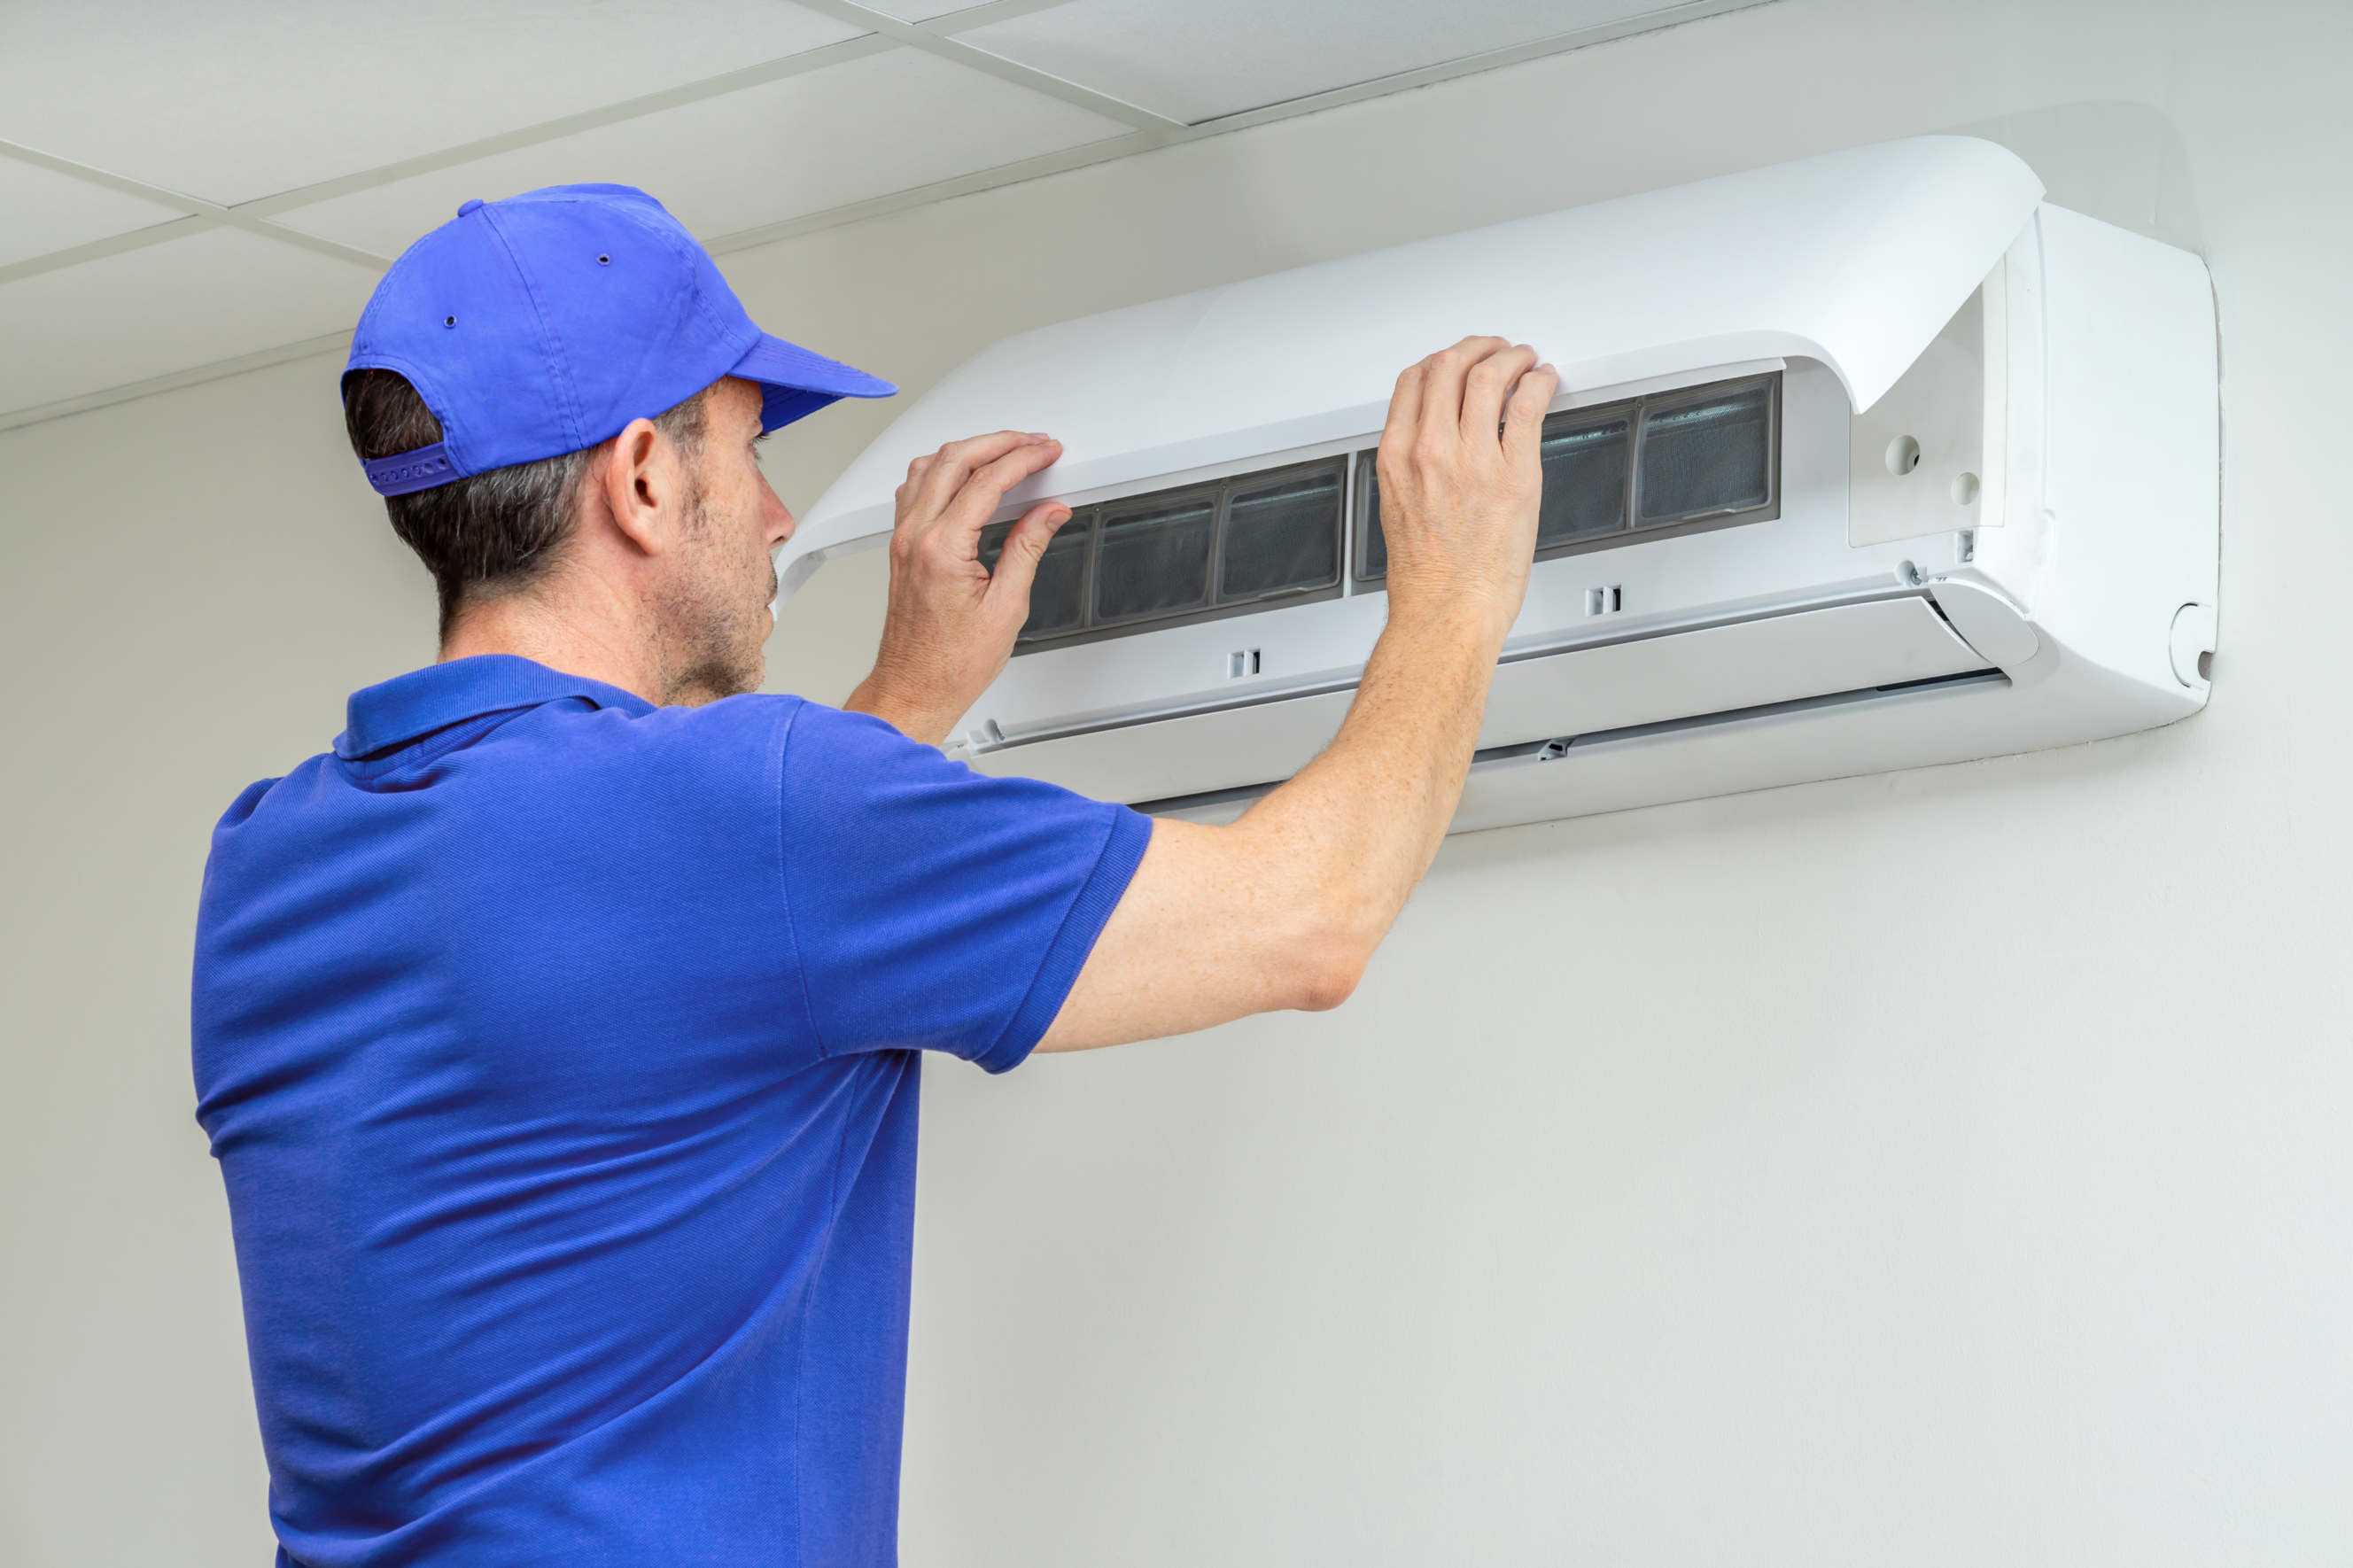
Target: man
{"points": [[558, 1032]]}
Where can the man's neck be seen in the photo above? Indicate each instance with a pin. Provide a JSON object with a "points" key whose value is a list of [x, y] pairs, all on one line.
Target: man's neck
{"points": [[601, 647]]}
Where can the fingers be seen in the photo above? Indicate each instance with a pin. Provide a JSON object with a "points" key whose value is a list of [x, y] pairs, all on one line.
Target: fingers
{"points": [[950, 494], [981, 494], [1017, 568], [945, 471], [1524, 416], [1442, 377], [1404, 411], [1489, 382]]}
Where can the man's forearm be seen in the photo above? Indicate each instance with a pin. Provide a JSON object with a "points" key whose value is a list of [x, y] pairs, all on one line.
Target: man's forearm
{"points": [[1283, 907], [1364, 820]]}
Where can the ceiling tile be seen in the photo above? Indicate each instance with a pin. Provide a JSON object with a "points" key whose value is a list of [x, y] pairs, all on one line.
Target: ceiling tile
{"points": [[1197, 59], [925, 10], [187, 302], [861, 129], [232, 102], [47, 211]]}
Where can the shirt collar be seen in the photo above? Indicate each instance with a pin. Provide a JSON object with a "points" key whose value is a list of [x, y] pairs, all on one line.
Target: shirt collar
{"points": [[413, 705]]}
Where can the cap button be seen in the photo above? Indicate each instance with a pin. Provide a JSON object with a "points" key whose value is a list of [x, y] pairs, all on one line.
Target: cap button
{"points": [[467, 207]]}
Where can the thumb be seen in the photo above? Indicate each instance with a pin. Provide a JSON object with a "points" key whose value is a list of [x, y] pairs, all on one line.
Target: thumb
{"points": [[1017, 568], [1524, 415]]}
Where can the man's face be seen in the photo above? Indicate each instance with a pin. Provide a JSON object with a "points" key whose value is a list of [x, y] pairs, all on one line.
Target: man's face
{"points": [[716, 607]]}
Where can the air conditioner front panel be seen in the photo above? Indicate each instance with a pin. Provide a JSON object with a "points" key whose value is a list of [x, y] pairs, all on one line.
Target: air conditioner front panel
{"points": [[1643, 680]]}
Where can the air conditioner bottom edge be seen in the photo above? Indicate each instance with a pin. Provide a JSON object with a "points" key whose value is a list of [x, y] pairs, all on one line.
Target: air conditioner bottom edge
{"points": [[1964, 718]]}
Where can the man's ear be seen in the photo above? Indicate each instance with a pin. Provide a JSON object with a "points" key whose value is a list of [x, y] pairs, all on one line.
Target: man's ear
{"points": [[643, 486]]}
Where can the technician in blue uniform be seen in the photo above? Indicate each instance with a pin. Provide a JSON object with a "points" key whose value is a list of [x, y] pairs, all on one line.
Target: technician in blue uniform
{"points": [[558, 1032]]}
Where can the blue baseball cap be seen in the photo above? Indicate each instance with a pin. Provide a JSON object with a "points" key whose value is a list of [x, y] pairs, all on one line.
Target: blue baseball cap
{"points": [[544, 323]]}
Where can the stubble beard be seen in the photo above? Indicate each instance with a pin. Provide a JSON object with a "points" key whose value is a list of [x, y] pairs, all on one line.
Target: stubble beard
{"points": [[717, 631]]}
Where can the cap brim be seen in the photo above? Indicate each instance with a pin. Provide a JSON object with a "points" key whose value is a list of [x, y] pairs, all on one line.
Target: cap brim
{"points": [[795, 383]]}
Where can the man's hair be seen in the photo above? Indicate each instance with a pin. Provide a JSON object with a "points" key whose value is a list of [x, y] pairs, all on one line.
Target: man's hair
{"points": [[494, 533]]}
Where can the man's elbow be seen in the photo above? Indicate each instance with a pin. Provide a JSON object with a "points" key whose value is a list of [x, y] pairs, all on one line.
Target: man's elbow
{"points": [[1328, 987], [1329, 966]]}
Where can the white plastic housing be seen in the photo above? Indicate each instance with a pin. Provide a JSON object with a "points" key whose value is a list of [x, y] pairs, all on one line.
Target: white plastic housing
{"points": [[1998, 498]]}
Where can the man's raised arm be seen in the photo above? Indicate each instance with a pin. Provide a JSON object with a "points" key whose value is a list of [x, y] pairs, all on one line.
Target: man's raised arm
{"points": [[1282, 907]]}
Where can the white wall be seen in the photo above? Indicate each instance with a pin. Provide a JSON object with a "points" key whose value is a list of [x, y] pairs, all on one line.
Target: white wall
{"points": [[1944, 1167]]}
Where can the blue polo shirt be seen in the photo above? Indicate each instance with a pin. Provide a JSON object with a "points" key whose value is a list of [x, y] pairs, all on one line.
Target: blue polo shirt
{"points": [[561, 1055]]}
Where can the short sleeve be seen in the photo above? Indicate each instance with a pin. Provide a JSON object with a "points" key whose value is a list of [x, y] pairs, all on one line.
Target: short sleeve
{"points": [[933, 907]]}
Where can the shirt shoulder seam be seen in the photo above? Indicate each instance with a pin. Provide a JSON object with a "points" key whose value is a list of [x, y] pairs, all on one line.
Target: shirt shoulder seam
{"points": [[783, 803]]}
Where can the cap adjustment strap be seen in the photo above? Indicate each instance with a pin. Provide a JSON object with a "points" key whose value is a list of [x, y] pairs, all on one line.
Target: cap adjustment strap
{"points": [[405, 472]]}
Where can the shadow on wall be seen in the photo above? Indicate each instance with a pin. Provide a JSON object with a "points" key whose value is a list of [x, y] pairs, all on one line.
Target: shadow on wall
{"points": [[2121, 163]]}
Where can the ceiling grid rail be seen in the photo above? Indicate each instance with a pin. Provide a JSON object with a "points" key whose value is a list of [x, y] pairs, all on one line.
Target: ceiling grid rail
{"points": [[936, 42], [934, 37], [251, 216]]}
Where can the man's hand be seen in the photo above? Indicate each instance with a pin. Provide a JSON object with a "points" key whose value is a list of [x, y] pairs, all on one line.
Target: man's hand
{"points": [[1458, 501], [951, 623]]}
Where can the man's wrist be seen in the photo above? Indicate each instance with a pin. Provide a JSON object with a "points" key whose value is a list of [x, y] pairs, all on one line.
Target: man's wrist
{"points": [[915, 721], [1476, 623]]}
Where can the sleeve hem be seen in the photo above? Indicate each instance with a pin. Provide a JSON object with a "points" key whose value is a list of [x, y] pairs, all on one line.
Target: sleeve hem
{"points": [[1115, 867]]}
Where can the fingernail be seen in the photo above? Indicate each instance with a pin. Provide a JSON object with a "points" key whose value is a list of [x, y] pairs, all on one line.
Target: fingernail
{"points": [[1039, 435]]}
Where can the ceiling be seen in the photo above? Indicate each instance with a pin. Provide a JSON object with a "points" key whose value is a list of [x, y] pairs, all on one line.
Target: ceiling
{"points": [[190, 190]]}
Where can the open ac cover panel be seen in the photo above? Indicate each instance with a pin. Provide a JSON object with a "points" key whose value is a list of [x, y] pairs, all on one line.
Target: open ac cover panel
{"points": [[1864, 462]]}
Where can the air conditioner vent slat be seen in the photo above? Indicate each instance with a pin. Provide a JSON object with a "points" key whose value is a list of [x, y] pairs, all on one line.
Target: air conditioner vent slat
{"points": [[1223, 804], [1737, 665]]}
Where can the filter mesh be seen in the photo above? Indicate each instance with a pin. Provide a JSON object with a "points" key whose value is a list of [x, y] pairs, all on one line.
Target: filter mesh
{"points": [[1375, 561], [1280, 536], [1584, 482], [1156, 562], [1712, 456]]}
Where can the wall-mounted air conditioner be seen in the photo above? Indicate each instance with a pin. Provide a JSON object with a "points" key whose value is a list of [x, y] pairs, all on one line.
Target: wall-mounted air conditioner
{"points": [[1863, 462]]}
